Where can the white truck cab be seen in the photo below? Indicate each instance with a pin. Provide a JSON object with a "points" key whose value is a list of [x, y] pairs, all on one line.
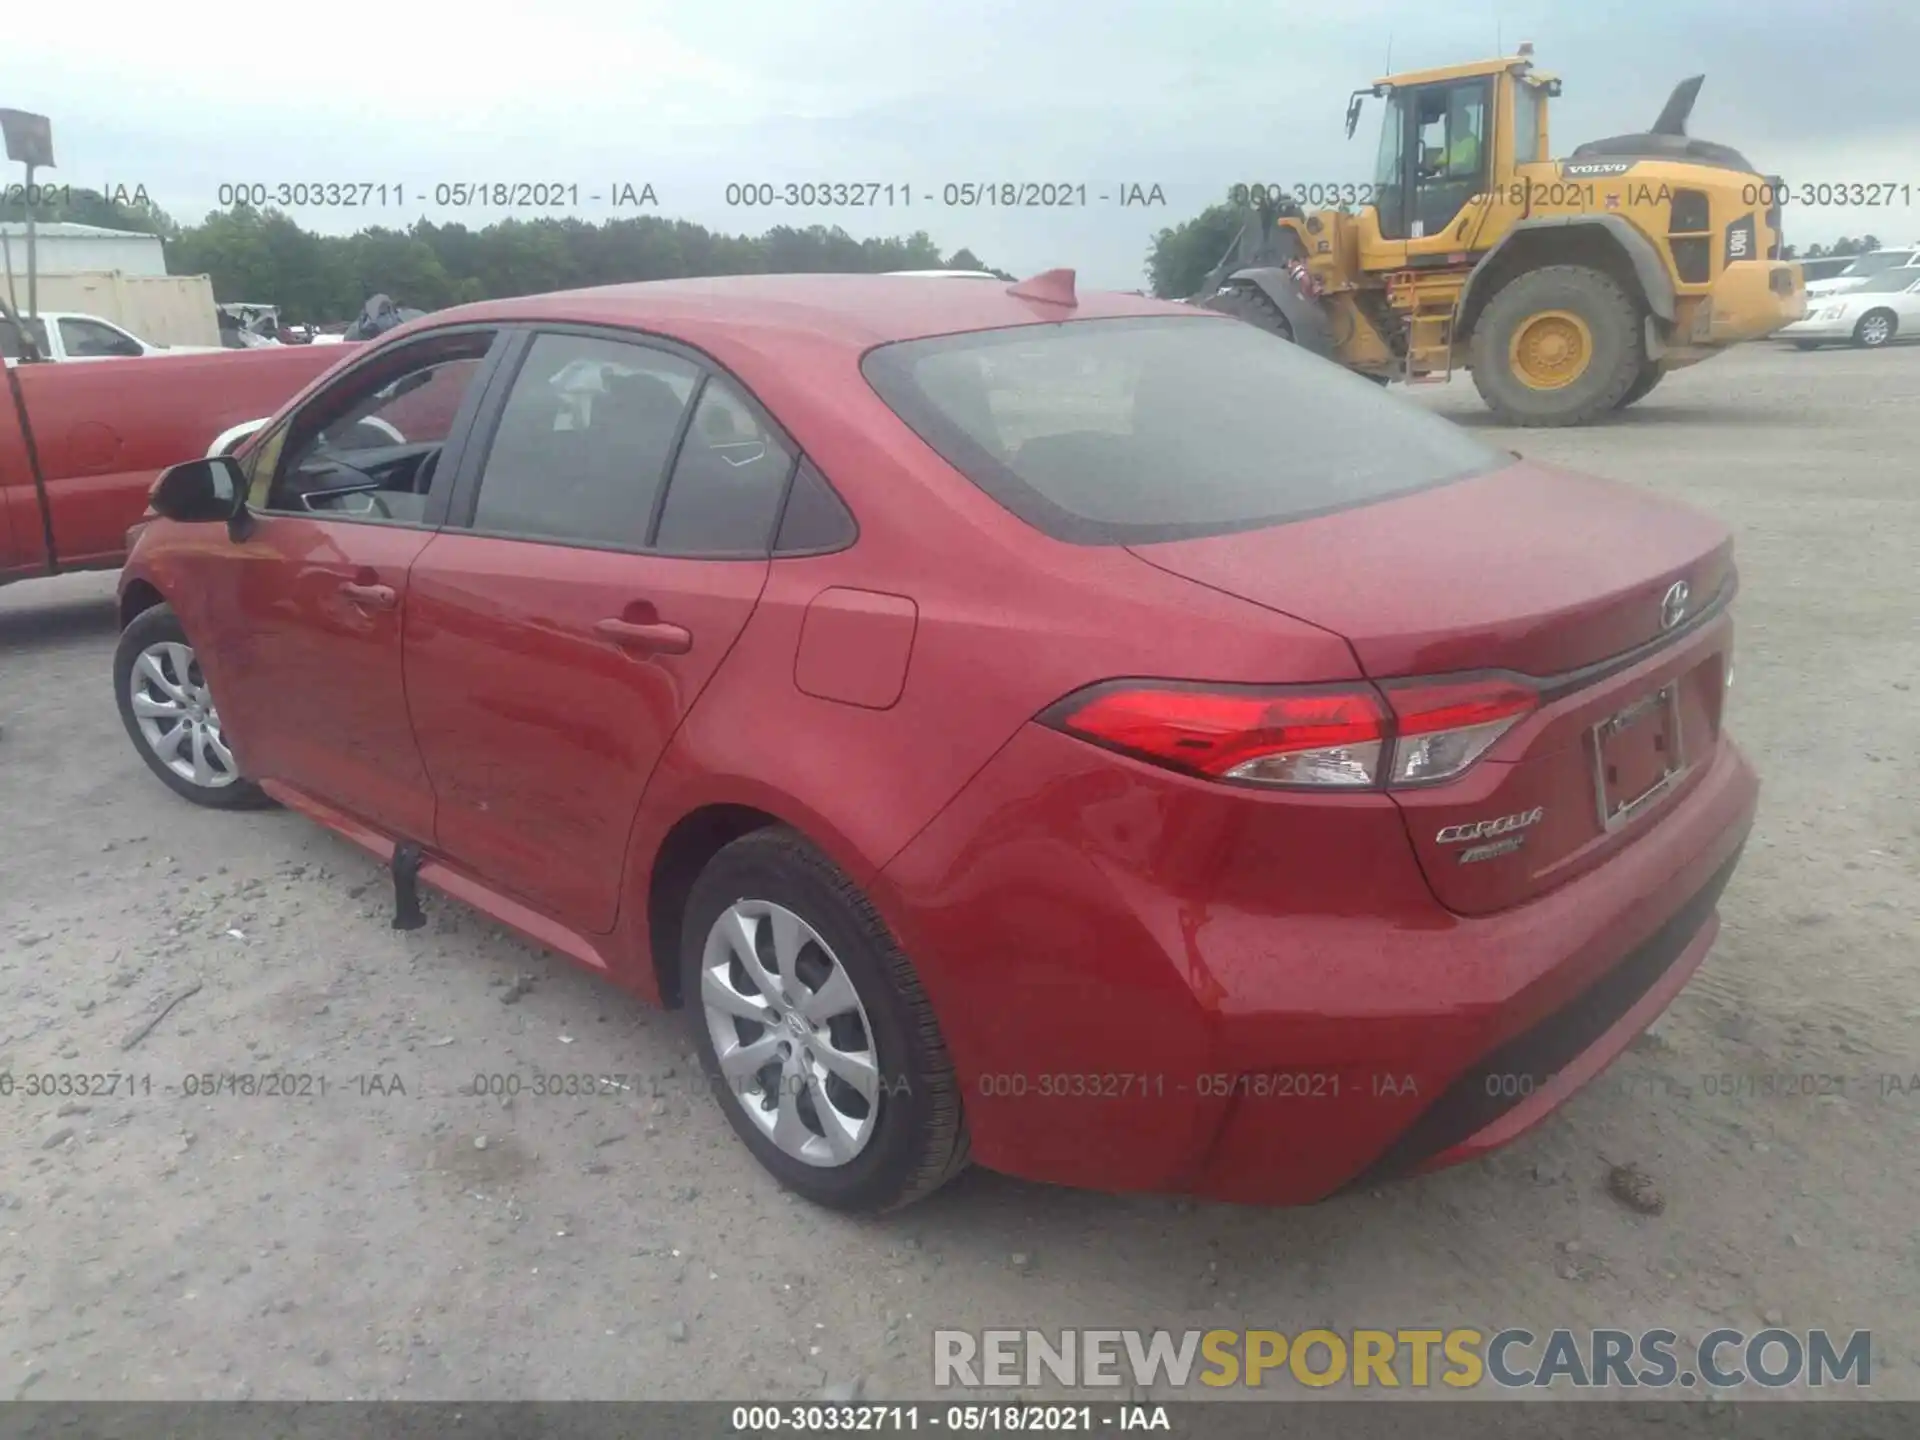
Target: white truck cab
{"points": [[66, 335]]}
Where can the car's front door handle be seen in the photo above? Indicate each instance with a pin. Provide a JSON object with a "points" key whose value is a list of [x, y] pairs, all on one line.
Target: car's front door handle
{"points": [[654, 639], [374, 597]]}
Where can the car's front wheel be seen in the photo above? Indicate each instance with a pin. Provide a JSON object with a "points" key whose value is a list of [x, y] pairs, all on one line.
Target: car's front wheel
{"points": [[819, 1042], [170, 714], [1875, 329]]}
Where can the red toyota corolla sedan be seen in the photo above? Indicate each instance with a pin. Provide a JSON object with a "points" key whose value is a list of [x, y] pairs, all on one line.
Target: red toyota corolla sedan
{"points": [[1079, 733]]}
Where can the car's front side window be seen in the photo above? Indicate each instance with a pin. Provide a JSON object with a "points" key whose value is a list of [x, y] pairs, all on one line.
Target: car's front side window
{"points": [[583, 443], [369, 447]]}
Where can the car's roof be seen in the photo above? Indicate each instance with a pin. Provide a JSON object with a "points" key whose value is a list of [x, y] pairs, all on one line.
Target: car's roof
{"points": [[852, 311]]}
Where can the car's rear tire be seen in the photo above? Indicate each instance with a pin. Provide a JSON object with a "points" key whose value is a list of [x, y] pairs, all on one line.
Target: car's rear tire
{"points": [[832, 982], [1876, 328], [1560, 345], [168, 710]]}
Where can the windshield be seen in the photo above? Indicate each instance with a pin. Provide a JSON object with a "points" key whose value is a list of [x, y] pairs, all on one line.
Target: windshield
{"points": [[1890, 282], [1879, 260], [1114, 432]]}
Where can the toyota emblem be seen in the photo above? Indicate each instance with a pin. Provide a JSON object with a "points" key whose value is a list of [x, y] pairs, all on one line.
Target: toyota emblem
{"points": [[1673, 605]]}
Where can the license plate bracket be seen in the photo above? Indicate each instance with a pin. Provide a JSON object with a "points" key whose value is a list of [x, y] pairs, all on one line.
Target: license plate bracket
{"points": [[1638, 756]]}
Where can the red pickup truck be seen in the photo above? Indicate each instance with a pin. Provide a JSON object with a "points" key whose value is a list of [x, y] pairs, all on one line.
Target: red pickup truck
{"points": [[80, 445]]}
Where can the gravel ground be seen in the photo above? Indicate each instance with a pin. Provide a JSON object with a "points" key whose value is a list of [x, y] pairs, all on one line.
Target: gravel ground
{"points": [[400, 1236]]}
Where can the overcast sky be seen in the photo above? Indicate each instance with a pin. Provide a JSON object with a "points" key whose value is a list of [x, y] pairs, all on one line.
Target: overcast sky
{"points": [[1189, 95]]}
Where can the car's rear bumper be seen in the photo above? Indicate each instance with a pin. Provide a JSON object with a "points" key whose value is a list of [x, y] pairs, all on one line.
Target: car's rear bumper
{"points": [[1147, 986], [1515, 1086]]}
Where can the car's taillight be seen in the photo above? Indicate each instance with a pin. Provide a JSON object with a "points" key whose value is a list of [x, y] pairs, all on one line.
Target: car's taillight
{"points": [[1275, 737], [1320, 737], [1441, 727]]}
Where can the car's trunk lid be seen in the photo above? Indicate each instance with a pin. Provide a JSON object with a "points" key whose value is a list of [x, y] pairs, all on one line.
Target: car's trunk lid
{"points": [[1531, 569], [1564, 578]]}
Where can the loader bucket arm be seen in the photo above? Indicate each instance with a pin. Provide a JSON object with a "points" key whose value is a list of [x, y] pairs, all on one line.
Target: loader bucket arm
{"points": [[1230, 261], [1255, 244]]}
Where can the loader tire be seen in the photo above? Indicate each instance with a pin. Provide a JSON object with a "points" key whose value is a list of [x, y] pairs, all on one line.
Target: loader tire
{"points": [[1561, 345], [1244, 302], [1650, 376]]}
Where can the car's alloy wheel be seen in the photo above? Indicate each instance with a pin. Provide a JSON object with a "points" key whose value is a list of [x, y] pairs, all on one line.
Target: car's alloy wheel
{"points": [[1874, 330], [789, 1032], [815, 1034], [170, 714], [177, 717]]}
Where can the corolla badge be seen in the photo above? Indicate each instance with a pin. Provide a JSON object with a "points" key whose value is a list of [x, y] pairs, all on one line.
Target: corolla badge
{"points": [[1487, 829], [1673, 605]]}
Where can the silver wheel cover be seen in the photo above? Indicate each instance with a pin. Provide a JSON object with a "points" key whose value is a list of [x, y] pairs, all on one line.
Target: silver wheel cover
{"points": [[792, 1038], [175, 713]]}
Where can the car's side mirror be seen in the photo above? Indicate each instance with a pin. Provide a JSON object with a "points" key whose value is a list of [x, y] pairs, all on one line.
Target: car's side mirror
{"points": [[211, 488]]}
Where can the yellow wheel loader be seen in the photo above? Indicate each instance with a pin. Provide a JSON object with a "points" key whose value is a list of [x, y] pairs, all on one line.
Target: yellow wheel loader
{"points": [[1567, 288]]}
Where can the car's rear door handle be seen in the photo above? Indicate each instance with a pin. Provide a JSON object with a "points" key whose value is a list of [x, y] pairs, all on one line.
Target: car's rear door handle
{"points": [[655, 639], [374, 597]]}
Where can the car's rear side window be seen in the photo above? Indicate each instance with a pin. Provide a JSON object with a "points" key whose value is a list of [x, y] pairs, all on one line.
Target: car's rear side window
{"points": [[584, 441], [727, 483], [1128, 431]]}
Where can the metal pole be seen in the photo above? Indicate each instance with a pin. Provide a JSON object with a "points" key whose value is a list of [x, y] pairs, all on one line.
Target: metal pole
{"points": [[33, 275]]}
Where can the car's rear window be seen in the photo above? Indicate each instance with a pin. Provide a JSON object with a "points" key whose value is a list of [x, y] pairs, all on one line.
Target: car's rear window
{"points": [[1113, 432]]}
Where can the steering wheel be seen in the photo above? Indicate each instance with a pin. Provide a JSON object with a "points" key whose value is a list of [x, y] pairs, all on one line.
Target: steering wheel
{"points": [[353, 502], [369, 432]]}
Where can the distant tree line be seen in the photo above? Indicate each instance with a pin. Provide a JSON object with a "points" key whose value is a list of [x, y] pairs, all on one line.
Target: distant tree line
{"points": [[265, 256], [1845, 245], [1181, 255]]}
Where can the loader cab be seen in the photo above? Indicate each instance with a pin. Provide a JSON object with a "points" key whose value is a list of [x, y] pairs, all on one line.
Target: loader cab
{"points": [[1449, 139], [1433, 158]]}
